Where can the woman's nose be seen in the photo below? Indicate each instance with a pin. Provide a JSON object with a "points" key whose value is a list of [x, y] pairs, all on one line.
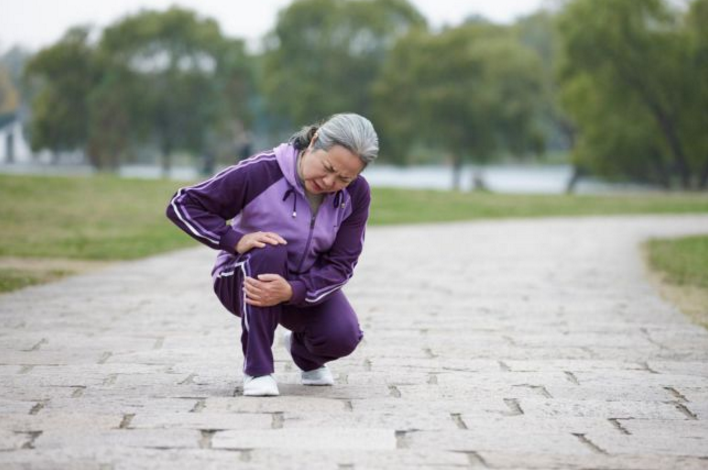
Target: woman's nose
{"points": [[330, 180]]}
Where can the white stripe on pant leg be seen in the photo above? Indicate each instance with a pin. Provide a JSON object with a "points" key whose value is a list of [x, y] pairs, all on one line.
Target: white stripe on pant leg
{"points": [[245, 305], [245, 312]]}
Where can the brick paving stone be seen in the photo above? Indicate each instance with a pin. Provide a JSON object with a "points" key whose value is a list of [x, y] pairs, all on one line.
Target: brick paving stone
{"points": [[59, 421], [559, 407], [662, 444], [273, 405], [415, 419], [12, 440], [515, 344], [647, 461], [608, 392], [319, 438], [202, 420], [508, 438], [142, 438]]}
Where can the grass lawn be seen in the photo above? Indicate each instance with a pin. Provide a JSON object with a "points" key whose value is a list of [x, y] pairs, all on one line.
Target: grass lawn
{"points": [[110, 218], [396, 206], [682, 268], [683, 260]]}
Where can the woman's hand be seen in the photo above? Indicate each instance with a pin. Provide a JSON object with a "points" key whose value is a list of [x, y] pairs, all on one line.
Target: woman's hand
{"points": [[258, 240], [267, 290]]}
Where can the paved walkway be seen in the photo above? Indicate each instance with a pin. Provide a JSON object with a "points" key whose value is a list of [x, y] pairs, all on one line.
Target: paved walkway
{"points": [[513, 344]]}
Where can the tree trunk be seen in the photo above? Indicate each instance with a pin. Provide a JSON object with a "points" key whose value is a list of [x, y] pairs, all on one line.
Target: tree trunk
{"points": [[662, 173], [166, 159], [669, 131], [666, 124], [10, 148], [478, 183], [456, 172], [578, 173], [114, 160], [703, 182]]}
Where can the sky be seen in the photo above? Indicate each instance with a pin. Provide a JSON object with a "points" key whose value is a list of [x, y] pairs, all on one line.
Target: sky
{"points": [[38, 23]]}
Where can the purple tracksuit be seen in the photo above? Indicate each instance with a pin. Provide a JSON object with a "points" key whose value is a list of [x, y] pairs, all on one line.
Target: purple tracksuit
{"points": [[263, 193]]}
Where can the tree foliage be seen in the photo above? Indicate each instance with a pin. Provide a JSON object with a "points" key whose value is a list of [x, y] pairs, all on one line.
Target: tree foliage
{"points": [[623, 81], [631, 83], [453, 91], [12, 91], [539, 33], [9, 97], [176, 77], [64, 72], [168, 79], [323, 55]]}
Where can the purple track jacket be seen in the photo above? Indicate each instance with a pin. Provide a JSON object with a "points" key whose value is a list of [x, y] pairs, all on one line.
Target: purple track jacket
{"points": [[263, 193]]}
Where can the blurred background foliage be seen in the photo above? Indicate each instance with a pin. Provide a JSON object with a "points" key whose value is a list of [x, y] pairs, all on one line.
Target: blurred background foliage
{"points": [[619, 85]]}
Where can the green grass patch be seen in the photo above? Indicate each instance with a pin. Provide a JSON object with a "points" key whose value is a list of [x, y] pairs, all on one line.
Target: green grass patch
{"points": [[98, 218], [392, 206], [12, 279], [682, 261], [110, 218]]}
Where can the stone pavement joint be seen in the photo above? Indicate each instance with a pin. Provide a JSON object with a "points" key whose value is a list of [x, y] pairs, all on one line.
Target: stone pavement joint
{"points": [[125, 422], [516, 344], [457, 418], [684, 409], [571, 377], [277, 420], [514, 407], [594, 447], [475, 459], [618, 425], [680, 397]]}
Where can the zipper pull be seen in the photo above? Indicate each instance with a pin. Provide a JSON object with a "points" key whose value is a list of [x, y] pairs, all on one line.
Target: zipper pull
{"points": [[312, 222]]}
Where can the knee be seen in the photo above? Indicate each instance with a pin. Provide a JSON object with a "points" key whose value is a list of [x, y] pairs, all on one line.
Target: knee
{"points": [[341, 341], [269, 259]]}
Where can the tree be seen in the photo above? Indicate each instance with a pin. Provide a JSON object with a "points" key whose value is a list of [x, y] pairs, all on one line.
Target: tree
{"points": [[627, 61], [323, 55], [12, 64], [698, 46], [63, 73], [538, 32], [470, 91], [171, 77], [9, 97]]}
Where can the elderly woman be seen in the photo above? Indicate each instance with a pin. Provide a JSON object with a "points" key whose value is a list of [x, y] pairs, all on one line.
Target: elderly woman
{"points": [[297, 219]]}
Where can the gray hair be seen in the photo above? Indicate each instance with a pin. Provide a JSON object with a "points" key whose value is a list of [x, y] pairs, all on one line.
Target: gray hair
{"points": [[351, 131]]}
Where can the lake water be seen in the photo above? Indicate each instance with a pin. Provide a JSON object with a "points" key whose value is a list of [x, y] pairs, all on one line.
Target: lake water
{"points": [[537, 179]]}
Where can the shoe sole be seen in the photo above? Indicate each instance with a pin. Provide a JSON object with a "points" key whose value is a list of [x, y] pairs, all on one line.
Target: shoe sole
{"points": [[287, 343]]}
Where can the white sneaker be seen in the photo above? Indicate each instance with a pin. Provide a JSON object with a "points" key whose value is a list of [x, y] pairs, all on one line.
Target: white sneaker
{"points": [[261, 386], [321, 376]]}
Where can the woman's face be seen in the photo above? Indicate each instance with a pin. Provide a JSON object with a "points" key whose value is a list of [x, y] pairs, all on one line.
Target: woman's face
{"points": [[328, 171]]}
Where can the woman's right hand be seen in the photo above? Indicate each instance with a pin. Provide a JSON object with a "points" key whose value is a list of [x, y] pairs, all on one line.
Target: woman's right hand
{"points": [[258, 240]]}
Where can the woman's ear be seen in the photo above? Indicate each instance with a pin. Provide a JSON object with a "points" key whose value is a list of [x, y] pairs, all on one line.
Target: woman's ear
{"points": [[312, 141]]}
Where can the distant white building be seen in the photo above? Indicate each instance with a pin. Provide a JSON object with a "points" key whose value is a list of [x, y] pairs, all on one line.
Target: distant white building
{"points": [[14, 147]]}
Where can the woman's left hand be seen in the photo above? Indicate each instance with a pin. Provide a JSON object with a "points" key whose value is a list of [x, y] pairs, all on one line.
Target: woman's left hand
{"points": [[267, 290]]}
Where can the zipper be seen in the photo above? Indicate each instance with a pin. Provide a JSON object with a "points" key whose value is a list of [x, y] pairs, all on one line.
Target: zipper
{"points": [[307, 245]]}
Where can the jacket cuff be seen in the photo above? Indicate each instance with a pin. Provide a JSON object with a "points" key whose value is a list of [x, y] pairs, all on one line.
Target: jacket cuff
{"points": [[229, 241], [299, 291]]}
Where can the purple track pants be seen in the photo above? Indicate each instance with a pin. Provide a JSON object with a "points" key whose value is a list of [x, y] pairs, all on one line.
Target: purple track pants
{"points": [[321, 333]]}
